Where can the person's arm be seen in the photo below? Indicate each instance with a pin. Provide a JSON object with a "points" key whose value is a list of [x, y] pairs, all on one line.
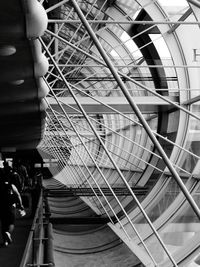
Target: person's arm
{"points": [[18, 196]]}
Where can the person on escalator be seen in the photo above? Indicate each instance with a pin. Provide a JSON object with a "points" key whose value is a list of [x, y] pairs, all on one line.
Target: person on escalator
{"points": [[12, 175], [10, 199], [23, 173]]}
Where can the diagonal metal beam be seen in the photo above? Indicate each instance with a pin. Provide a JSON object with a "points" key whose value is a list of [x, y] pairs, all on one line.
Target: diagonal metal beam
{"points": [[182, 18], [146, 127], [110, 158], [195, 3], [56, 5], [139, 115], [142, 86]]}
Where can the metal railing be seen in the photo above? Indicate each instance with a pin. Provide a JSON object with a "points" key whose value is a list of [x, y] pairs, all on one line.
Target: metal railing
{"points": [[39, 247]]}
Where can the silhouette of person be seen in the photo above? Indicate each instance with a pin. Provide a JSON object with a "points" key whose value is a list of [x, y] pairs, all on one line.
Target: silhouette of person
{"points": [[22, 171], [12, 175], [9, 199]]}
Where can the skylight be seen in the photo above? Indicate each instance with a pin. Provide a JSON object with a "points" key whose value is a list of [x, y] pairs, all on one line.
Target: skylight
{"points": [[160, 45], [181, 3], [130, 45]]}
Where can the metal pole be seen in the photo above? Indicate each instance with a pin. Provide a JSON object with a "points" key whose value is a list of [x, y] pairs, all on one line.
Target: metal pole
{"points": [[114, 164], [132, 22], [87, 170], [125, 76], [195, 3], [136, 110]]}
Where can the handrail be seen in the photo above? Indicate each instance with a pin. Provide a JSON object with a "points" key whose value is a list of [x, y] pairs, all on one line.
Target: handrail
{"points": [[29, 245], [39, 247], [48, 252]]}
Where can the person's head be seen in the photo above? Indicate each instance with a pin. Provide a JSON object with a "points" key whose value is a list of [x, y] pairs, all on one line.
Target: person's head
{"points": [[6, 166]]}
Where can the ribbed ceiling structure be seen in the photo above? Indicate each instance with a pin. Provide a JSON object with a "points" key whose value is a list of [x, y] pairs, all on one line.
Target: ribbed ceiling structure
{"points": [[123, 115], [22, 65]]}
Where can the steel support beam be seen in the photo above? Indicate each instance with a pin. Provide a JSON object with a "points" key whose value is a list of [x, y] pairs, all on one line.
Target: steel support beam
{"points": [[139, 115], [144, 22], [146, 104], [139, 84], [195, 3], [87, 191], [182, 18]]}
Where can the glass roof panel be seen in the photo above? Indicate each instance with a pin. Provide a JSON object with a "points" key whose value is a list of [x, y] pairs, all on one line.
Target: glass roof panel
{"points": [[172, 3], [160, 45], [174, 8]]}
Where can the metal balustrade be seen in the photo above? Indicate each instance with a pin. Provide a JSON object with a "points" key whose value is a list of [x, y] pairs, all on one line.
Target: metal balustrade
{"points": [[39, 249]]}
